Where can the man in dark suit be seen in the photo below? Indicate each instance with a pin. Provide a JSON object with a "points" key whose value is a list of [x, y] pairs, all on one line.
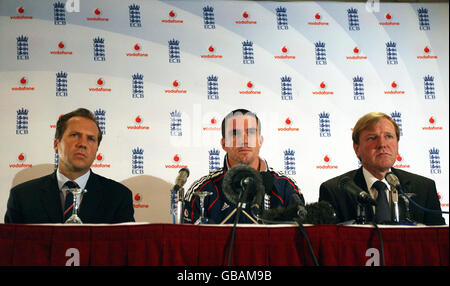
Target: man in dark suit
{"points": [[375, 142], [43, 200]]}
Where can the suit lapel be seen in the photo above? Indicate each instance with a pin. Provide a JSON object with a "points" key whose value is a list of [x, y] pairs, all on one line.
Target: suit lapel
{"points": [[91, 199], [51, 199]]}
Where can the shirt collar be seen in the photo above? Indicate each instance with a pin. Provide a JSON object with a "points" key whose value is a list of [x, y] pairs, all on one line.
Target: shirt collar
{"points": [[371, 179], [81, 181]]}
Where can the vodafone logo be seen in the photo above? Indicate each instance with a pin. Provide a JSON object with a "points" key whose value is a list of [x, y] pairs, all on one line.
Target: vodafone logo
{"points": [[327, 163], [356, 54], [20, 161], [389, 20], [394, 88], [323, 89], [99, 162], [245, 19], [432, 124], [250, 88], [426, 54], [288, 125], [318, 20], [136, 51], [138, 124], [97, 16], [400, 163], [101, 86], [138, 201], [212, 125], [176, 163], [211, 53], [20, 14], [60, 49], [172, 16], [285, 54], [176, 88], [23, 84]]}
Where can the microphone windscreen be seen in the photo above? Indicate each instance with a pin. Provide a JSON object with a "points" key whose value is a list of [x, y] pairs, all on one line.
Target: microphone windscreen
{"points": [[231, 184], [392, 179], [320, 213], [181, 179]]}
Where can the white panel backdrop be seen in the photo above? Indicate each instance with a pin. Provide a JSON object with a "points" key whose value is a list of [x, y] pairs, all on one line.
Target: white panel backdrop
{"points": [[305, 59]]}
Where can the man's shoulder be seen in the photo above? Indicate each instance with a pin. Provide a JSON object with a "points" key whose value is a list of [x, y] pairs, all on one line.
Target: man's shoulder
{"points": [[198, 184], [405, 175], [33, 183], [108, 183], [334, 181]]}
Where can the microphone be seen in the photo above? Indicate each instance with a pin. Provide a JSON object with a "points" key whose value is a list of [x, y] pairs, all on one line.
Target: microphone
{"points": [[393, 180], [181, 179], [243, 184], [320, 213], [177, 196], [347, 184], [395, 185]]}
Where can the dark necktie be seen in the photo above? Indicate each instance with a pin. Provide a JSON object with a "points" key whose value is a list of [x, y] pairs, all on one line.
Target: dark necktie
{"points": [[68, 204], [382, 212]]}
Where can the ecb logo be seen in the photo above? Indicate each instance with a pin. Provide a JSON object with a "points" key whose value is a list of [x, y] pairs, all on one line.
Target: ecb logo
{"points": [[358, 88], [61, 84], [324, 124], [213, 87], [353, 19], [286, 88], [282, 18], [174, 51], [321, 53], [176, 123], [208, 18], [22, 121], [137, 161], [289, 162], [100, 116], [214, 159], [135, 15], [248, 56], [22, 48], [99, 49], [435, 161], [138, 86]]}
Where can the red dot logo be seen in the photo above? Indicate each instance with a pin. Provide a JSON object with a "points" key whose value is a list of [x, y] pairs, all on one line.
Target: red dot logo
{"points": [[288, 121], [175, 83], [399, 158], [284, 49], [388, 16], [356, 50], [317, 16], [249, 84], [23, 80], [138, 119], [172, 14], [245, 15], [322, 85], [61, 45], [20, 10], [97, 12], [138, 197], [213, 120], [100, 81], [176, 158], [426, 49], [137, 47], [99, 157], [21, 157], [431, 120], [394, 84], [211, 49], [326, 159]]}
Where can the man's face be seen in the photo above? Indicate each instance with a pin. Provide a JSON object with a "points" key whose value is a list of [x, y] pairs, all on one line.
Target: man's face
{"points": [[378, 147], [78, 146], [242, 142]]}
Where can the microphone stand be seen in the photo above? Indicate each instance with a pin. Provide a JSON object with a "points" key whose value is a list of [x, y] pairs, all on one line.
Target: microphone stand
{"points": [[240, 205]]}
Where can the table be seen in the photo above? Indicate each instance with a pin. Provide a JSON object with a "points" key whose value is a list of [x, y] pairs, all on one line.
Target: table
{"points": [[189, 245]]}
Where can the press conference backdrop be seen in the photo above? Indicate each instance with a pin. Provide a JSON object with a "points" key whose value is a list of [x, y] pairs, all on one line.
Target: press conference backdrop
{"points": [[161, 75]]}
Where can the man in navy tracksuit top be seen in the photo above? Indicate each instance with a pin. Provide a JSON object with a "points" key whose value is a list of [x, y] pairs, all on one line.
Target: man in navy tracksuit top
{"points": [[242, 140]]}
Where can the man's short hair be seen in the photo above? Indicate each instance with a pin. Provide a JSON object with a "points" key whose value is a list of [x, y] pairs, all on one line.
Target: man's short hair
{"points": [[237, 112], [368, 121], [61, 125]]}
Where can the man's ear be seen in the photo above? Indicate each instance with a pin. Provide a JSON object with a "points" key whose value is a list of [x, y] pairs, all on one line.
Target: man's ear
{"points": [[55, 145]]}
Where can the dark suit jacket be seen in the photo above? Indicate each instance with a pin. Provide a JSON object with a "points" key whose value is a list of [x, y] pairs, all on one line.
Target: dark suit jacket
{"points": [[39, 201], [345, 204]]}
